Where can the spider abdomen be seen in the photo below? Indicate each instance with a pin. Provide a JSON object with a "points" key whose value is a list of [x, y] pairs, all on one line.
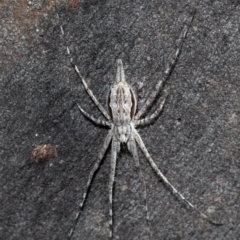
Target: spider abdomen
{"points": [[121, 100]]}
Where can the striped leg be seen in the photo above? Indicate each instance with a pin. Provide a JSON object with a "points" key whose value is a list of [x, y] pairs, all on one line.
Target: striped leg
{"points": [[90, 178], [133, 149], [114, 151], [168, 184], [149, 120], [88, 90], [97, 121], [168, 72]]}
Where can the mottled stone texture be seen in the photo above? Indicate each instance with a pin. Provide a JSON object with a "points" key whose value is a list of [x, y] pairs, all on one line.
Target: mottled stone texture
{"points": [[195, 142]]}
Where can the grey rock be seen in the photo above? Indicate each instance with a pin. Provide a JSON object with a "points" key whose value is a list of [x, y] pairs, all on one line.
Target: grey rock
{"points": [[195, 141]]}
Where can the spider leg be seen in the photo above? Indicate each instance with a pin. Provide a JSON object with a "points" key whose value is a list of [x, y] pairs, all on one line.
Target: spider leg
{"points": [[168, 72], [114, 151], [90, 178], [92, 118], [133, 149], [148, 120], [88, 90], [168, 184]]}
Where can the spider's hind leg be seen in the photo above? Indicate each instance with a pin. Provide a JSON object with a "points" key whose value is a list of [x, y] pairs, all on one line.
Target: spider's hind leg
{"points": [[92, 118], [148, 120], [88, 90], [168, 72]]}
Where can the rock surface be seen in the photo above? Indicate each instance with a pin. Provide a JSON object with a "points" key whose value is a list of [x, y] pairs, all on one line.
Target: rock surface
{"points": [[195, 141]]}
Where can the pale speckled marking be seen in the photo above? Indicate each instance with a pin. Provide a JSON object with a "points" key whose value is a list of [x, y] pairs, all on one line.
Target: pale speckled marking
{"points": [[122, 121]]}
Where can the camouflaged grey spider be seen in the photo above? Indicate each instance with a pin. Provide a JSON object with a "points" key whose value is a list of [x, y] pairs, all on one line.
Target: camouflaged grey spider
{"points": [[123, 121]]}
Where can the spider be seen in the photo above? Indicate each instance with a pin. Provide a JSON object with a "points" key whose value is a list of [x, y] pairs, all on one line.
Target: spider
{"points": [[123, 120]]}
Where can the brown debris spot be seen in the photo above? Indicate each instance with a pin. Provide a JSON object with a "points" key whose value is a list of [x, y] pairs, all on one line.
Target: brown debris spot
{"points": [[72, 4], [43, 153]]}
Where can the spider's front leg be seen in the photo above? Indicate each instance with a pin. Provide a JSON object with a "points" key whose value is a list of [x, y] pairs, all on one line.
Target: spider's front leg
{"points": [[90, 177], [165, 180], [114, 151]]}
